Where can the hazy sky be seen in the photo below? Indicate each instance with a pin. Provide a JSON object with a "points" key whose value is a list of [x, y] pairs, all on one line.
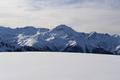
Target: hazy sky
{"points": [[82, 15]]}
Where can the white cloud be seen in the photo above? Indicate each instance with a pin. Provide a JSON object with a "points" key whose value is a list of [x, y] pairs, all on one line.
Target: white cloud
{"points": [[82, 15]]}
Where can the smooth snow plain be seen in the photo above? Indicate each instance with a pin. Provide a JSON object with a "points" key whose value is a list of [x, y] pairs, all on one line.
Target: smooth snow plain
{"points": [[58, 66]]}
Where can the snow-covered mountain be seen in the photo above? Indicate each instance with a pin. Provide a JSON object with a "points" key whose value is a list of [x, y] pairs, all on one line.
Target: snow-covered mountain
{"points": [[62, 38]]}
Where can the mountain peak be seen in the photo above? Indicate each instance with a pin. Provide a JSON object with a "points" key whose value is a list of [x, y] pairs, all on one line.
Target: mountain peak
{"points": [[64, 29], [62, 26]]}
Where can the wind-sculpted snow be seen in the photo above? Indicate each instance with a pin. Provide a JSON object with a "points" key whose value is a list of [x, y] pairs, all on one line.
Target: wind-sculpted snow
{"points": [[60, 39]]}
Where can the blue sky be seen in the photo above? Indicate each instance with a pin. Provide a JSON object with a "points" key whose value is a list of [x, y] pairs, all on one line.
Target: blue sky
{"points": [[82, 15]]}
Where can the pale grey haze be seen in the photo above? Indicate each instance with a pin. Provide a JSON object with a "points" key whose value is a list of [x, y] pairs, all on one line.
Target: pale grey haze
{"points": [[58, 66], [82, 15]]}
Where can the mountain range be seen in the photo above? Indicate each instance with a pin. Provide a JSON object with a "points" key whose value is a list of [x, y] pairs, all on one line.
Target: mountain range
{"points": [[62, 38]]}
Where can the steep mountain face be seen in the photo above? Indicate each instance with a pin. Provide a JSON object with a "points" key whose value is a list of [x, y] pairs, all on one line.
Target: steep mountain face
{"points": [[62, 39]]}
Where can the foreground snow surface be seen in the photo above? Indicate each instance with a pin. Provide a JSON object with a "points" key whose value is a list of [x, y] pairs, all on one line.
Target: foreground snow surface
{"points": [[58, 66]]}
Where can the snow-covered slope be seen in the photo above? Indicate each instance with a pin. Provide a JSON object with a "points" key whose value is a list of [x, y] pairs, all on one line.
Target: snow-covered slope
{"points": [[61, 38], [58, 66]]}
